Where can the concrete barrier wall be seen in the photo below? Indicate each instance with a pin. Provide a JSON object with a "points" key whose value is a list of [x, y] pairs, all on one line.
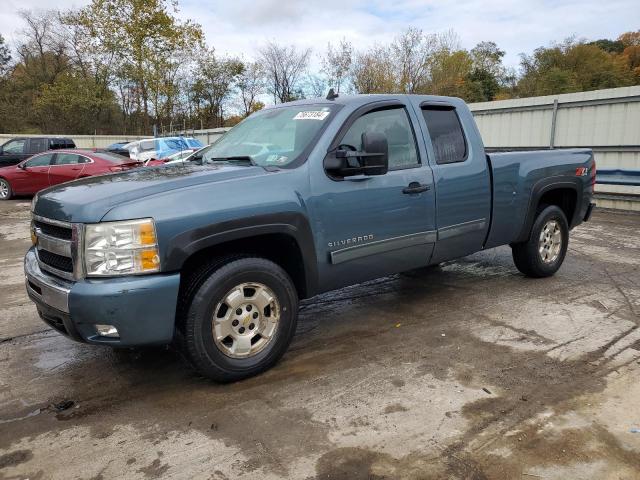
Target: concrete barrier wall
{"points": [[82, 141]]}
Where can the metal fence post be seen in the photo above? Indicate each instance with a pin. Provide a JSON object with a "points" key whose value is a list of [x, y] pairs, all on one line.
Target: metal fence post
{"points": [[554, 117]]}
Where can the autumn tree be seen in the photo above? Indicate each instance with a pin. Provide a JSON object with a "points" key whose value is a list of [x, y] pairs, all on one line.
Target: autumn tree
{"points": [[631, 53], [251, 85], [146, 45], [215, 79], [5, 57], [488, 75], [373, 71], [284, 68], [571, 66], [411, 52], [336, 64]]}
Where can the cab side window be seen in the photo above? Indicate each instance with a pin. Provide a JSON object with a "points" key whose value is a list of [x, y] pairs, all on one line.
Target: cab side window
{"points": [[447, 136], [15, 147], [147, 145], [39, 161], [395, 125]]}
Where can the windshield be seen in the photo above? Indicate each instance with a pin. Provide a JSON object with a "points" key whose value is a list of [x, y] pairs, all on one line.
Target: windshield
{"points": [[273, 137]]}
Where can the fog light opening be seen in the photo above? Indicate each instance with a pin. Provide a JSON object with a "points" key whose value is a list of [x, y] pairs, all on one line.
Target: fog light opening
{"points": [[107, 331]]}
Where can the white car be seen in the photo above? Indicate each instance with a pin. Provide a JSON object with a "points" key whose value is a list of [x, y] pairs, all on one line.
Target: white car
{"points": [[161, 147]]}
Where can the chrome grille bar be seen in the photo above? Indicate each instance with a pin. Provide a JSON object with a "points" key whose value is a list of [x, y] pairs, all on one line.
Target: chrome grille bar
{"points": [[62, 247]]}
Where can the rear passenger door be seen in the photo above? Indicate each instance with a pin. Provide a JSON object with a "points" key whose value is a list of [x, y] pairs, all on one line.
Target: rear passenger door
{"points": [[461, 175], [38, 145], [66, 167]]}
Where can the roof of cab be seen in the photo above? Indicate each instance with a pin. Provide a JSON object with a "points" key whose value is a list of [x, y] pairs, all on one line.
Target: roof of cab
{"points": [[362, 99]]}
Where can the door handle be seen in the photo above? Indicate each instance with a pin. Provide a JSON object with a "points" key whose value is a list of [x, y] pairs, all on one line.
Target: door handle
{"points": [[415, 187]]}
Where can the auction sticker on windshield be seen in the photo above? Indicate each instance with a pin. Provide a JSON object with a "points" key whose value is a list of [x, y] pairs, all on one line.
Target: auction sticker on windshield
{"points": [[311, 115]]}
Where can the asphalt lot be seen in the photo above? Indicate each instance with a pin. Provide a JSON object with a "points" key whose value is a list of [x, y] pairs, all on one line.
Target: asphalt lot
{"points": [[466, 371]]}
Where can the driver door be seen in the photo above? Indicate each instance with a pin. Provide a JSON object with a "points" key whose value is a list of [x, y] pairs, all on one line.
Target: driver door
{"points": [[371, 226], [35, 174], [13, 152]]}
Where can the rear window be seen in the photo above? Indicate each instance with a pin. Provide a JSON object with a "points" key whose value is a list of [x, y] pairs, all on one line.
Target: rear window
{"points": [[446, 134], [112, 157]]}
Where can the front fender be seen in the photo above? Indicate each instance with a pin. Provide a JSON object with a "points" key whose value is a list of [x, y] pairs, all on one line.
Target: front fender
{"points": [[293, 224]]}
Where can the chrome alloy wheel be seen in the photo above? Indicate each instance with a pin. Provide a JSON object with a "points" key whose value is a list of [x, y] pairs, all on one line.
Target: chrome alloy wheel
{"points": [[245, 321], [4, 188], [550, 242]]}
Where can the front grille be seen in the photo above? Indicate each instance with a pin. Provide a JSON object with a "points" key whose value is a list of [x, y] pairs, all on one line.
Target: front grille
{"points": [[56, 261], [54, 246], [54, 230]]}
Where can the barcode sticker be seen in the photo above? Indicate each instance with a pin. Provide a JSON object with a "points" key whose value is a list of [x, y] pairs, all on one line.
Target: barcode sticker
{"points": [[311, 115]]}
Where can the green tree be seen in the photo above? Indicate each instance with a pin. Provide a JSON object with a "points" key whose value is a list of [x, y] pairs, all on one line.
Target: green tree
{"points": [[487, 75], [70, 103]]}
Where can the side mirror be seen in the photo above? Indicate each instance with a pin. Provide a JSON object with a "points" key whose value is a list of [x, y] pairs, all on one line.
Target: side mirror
{"points": [[372, 160], [376, 161]]}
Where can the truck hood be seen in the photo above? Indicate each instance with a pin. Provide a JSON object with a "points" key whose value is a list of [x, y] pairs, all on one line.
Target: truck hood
{"points": [[88, 200]]}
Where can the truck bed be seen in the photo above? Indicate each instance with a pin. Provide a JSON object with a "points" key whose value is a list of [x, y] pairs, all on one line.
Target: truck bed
{"points": [[518, 175]]}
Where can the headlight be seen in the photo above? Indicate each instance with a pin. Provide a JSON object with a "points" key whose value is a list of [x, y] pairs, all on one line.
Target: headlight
{"points": [[121, 248]]}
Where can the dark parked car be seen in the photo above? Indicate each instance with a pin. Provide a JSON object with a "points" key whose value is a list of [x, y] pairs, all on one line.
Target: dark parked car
{"points": [[18, 149], [51, 168]]}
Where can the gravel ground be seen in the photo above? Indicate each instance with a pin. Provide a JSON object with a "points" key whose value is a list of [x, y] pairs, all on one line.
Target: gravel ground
{"points": [[466, 371]]}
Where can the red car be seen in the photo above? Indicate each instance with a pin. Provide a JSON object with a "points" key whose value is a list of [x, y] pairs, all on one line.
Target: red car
{"points": [[54, 167]]}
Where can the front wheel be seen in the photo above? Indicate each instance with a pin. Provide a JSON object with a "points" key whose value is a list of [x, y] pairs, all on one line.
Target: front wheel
{"points": [[543, 253], [240, 318], [5, 190]]}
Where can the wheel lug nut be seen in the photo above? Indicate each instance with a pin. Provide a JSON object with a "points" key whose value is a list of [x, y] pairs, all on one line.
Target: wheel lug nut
{"points": [[235, 323], [241, 329], [249, 308], [239, 311], [255, 314], [251, 326]]}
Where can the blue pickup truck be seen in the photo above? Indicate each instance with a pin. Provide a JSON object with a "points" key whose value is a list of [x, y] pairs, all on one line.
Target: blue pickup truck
{"points": [[298, 199]]}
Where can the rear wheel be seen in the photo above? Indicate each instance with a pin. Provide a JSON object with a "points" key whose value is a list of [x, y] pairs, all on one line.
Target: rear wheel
{"points": [[5, 190], [543, 253], [240, 317]]}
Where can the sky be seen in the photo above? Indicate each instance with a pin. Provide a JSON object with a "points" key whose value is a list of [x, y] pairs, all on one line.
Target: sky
{"points": [[238, 27]]}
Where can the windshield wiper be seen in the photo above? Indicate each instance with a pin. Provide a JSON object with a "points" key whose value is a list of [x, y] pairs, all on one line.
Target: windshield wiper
{"points": [[237, 158]]}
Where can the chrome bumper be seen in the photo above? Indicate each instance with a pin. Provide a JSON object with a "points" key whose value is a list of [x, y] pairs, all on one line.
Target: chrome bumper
{"points": [[49, 290]]}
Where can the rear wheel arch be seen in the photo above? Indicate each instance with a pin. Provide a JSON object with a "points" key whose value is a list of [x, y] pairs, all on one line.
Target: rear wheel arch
{"points": [[564, 192]]}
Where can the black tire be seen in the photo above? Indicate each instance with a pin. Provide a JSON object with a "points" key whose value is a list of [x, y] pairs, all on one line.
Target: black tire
{"points": [[526, 255], [9, 193], [202, 293]]}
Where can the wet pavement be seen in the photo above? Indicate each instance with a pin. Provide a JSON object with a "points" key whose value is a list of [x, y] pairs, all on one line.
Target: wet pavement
{"points": [[467, 371]]}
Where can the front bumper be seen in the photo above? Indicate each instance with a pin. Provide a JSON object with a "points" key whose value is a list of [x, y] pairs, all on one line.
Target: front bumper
{"points": [[141, 308]]}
